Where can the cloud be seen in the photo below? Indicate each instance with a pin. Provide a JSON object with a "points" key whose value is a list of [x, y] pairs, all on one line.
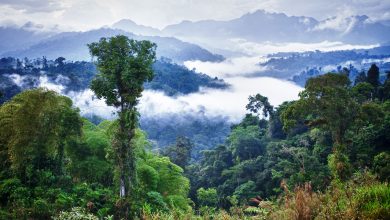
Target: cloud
{"points": [[29, 6], [89, 105], [344, 22], [341, 24], [87, 14], [45, 83], [381, 61], [238, 66], [259, 50], [212, 103], [209, 103], [17, 79]]}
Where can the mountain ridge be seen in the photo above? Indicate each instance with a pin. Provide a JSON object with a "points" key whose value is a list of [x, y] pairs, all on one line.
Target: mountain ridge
{"points": [[73, 46], [261, 26]]}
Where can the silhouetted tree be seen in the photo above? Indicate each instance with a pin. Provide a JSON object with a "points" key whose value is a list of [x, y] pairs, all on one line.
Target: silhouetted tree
{"points": [[373, 76]]}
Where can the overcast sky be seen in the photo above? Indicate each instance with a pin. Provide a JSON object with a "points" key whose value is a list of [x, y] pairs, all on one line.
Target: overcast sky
{"points": [[87, 14]]}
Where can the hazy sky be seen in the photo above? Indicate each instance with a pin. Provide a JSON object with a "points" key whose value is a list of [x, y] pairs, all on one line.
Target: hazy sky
{"points": [[87, 14]]}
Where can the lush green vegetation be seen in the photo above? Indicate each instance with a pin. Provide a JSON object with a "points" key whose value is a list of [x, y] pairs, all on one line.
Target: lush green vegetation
{"points": [[323, 156], [53, 160], [326, 145]]}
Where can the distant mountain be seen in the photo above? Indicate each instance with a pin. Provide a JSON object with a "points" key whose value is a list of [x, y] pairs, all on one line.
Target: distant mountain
{"points": [[262, 26], [131, 26], [73, 46], [257, 26], [12, 38]]}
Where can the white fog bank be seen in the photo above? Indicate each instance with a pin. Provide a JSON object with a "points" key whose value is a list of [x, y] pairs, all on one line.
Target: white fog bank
{"points": [[229, 103], [213, 102]]}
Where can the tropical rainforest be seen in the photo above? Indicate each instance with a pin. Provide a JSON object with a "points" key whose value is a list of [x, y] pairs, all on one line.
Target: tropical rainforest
{"points": [[325, 155]]}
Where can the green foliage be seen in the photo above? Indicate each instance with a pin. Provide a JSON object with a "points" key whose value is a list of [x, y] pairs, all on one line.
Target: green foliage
{"points": [[124, 65], [178, 203], [35, 126], [148, 177], [327, 102], [381, 166], [7, 187], [339, 165], [41, 209], [52, 160], [245, 191], [170, 177], [373, 201], [363, 91], [88, 156], [345, 129], [207, 197], [180, 153], [156, 202], [86, 178], [175, 79], [246, 143]]}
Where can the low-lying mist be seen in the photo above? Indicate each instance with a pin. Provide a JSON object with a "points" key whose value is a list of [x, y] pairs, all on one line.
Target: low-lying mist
{"points": [[205, 116], [213, 102], [208, 102]]}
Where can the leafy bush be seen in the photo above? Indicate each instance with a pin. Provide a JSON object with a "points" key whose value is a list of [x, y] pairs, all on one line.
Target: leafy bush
{"points": [[6, 189], [41, 209], [207, 197], [382, 166], [178, 203], [64, 201], [245, 191], [156, 202], [373, 201]]}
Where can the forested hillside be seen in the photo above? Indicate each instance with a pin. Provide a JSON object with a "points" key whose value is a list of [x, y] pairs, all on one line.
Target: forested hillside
{"points": [[323, 156], [301, 66], [20, 74]]}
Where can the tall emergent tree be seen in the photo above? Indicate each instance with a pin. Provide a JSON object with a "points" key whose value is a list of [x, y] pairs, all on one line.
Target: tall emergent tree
{"points": [[124, 65], [259, 103]]}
